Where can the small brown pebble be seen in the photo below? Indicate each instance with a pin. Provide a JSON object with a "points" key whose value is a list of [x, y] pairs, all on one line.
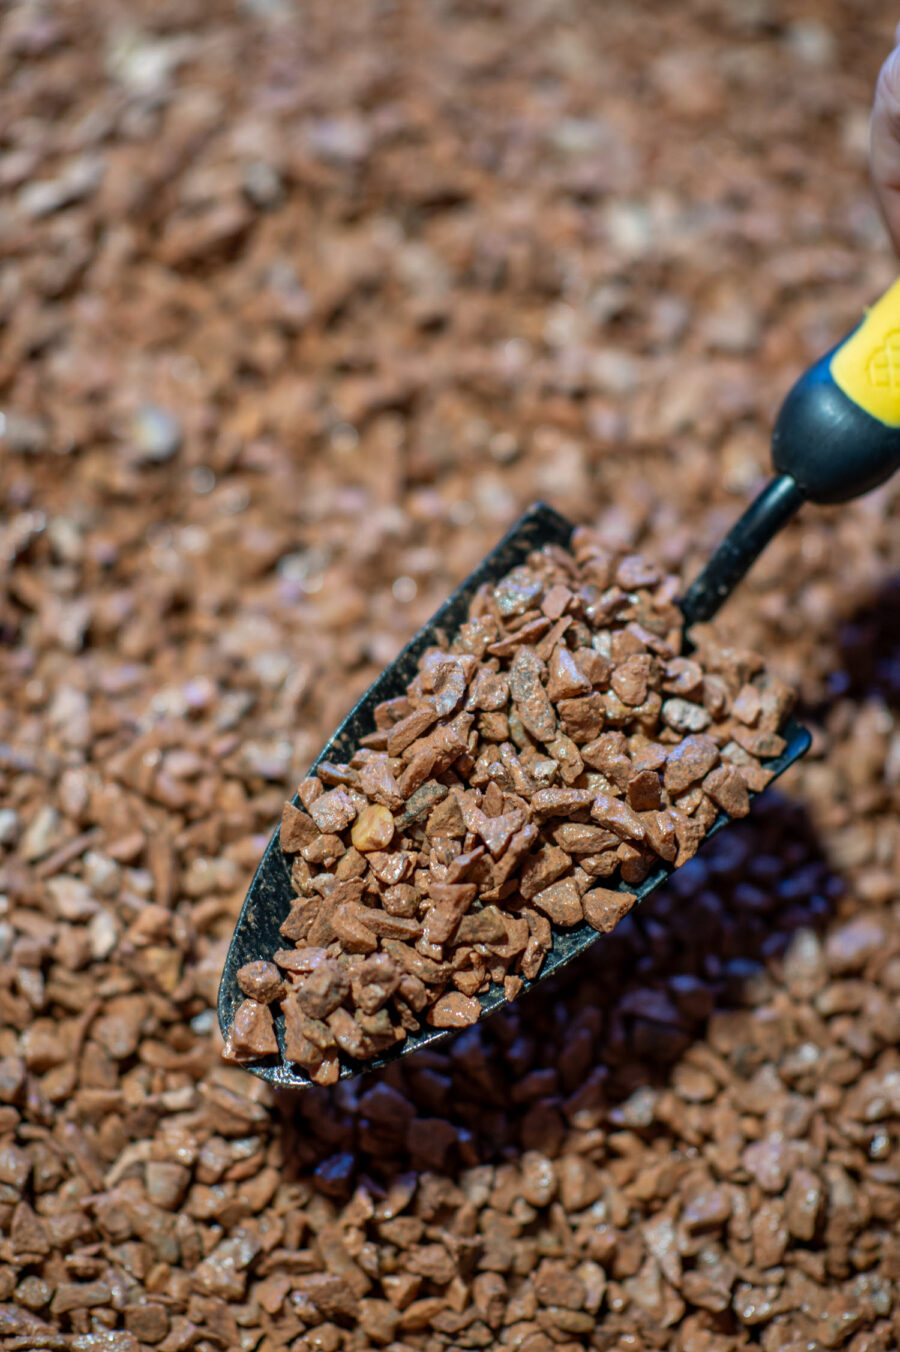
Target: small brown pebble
{"points": [[608, 753], [350, 865], [348, 1034], [539, 870], [577, 838], [166, 1182], [684, 716], [252, 1033], [309, 791], [688, 762], [580, 1182], [400, 900], [688, 835], [297, 829], [378, 1320], [561, 902], [377, 781], [71, 1296], [260, 981], [497, 832], [769, 1162], [450, 901], [554, 1284], [410, 728], [756, 776], [727, 788], [530, 633], [565, 679], [747, 705], [758, 742], [374, 982], [419, 804], [683, 677], [333, 811], [631, 679], [433, 1262], [489, 692], [335, 772], [582, 718], [325, 849], [517, 591], [322, 990], [531, 699], [305, 1039], [445, 819], [645, 791], [331, 1296], [617, 817], [555, 601], [559, 802], [149, 1322], [489, 1295], [850, 946], [387, 926], [31, 1293], [568, 758], [449, 685], [707, 1210], [351, 931], [512, 987], [28, 1235], [454, 1011], [299, 959], [390, 711], [604, 907], [770, 1236], [390, 869], [415, 964], [401, 1289], [803, 1204], [635, 571]]}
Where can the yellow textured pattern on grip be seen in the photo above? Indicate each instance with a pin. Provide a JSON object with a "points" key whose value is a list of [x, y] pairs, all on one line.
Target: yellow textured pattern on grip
{"points": [[867, 366]]}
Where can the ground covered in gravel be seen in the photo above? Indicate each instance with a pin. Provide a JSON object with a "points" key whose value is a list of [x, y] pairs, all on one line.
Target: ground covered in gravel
{"points": [[300, 305]]}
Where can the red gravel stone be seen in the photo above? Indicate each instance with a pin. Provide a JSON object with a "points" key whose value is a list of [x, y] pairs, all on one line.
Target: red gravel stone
{"points": [[604, 907], [252, 1033]]}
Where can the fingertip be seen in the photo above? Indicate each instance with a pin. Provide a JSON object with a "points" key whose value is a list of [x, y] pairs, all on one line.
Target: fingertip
{"points": [[885, 120], [888, 86], [891, 213], [884, 145]]}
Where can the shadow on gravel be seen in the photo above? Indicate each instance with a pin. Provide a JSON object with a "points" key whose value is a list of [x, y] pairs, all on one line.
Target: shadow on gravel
{"points": [[869, 646], [595, 1044]]}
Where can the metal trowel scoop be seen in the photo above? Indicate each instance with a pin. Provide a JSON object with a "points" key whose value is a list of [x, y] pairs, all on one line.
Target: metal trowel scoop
{"points": [[836, 437]]}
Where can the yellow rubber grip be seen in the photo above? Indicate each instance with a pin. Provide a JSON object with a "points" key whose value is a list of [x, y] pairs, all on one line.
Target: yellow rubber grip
{"points": [[867, 366]]}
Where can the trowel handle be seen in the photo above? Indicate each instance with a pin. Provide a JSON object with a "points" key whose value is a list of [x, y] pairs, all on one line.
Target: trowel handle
{"points": [[836, 437], [838, 432]]}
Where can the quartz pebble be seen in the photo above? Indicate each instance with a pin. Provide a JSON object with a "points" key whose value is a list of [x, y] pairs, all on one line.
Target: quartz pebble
{"points": [[373, 828]]}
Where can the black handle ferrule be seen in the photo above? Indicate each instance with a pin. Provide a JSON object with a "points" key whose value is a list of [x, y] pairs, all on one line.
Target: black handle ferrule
{"points": [[834, 449], [743, 544]]}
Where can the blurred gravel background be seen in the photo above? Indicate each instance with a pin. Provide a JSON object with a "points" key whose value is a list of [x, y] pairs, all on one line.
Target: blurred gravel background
{"points": [[300, 305]]}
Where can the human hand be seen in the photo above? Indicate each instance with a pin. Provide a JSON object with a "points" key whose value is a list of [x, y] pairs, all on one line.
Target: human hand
{"points": [[884, 142]]}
